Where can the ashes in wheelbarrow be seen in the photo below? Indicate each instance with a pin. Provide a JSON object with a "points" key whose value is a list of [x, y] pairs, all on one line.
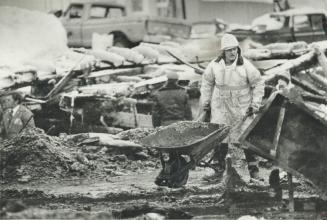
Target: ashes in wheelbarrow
{"points": [[181, 146]]}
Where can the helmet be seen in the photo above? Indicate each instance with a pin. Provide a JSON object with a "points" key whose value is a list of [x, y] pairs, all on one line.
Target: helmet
{"points": [[228, 41], [171, 74]]}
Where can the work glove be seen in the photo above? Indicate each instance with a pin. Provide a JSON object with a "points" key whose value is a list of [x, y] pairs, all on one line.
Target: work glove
{"points": [[282, 84], [251, 111]]}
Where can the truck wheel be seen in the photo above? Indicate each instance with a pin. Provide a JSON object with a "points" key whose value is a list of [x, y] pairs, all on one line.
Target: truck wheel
{"points": [[121, 41]]}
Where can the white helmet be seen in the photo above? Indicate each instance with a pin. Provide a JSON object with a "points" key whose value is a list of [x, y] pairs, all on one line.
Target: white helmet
{"points": [[228, 41], [171, 74]]}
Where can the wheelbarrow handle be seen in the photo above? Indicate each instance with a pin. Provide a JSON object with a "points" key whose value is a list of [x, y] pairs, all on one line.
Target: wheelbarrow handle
{"points": [[202, 117]]}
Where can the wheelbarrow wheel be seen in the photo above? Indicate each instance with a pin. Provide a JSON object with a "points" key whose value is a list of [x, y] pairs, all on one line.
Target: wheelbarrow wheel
{"points": [[174, 173]]}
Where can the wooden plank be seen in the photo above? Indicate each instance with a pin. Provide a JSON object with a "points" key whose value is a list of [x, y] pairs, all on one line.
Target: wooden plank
{"points": [[257, 150], [278, 128], [196, 69], [64, 80], [307, 86], [290, 192]]}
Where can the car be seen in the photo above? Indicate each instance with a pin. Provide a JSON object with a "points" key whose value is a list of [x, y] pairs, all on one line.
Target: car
{"points": [[292, 25], [82, 19]]}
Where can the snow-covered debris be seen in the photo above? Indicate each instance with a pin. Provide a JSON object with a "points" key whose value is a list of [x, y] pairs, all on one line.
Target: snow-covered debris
{"points": [[268, 22], [115, 89], [130, 55], [29, 35]]}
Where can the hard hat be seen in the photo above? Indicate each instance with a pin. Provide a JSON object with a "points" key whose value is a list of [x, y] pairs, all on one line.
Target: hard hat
{"points": [[228, 41], [171, 75]]}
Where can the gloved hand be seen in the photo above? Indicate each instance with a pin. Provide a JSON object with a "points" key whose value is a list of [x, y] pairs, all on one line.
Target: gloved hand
{"points": [[52, 81], [252, 110], [281, 84], [249, 111]]}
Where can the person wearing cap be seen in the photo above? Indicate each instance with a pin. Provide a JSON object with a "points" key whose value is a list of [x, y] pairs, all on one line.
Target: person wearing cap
{"points": [[16, 117], [170, 103], [232, 88]]}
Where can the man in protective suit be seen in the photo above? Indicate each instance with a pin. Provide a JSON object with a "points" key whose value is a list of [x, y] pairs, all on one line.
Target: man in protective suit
{"points": [[232, 88]]}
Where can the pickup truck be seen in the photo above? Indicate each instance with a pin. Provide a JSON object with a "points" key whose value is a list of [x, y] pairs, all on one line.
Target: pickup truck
{"points": [[82, 19], [288, 26]]}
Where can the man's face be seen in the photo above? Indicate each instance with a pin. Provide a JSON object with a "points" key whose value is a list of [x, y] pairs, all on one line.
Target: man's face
{"points": [[231, 54], [8, 102]]}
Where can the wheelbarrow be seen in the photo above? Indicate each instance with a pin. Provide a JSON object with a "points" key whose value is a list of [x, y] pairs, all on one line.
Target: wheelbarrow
{"points": [[182, 146]]}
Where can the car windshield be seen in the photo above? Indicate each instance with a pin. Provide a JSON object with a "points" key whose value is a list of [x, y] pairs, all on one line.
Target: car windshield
{"points": [[74, 11], [203, 30], [278, 19]]}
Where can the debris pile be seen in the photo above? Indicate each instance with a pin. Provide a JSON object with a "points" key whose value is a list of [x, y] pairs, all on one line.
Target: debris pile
{"points": [[295, 64], [114, 155], [34, 155], [135, 134]]}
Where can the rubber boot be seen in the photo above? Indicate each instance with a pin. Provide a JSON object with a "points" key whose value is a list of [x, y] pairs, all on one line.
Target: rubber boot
{"points": [[219, 165]]}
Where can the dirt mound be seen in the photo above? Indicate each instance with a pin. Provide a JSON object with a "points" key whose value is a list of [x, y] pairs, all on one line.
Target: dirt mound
{"points": [[34, 155], [179, 134]]}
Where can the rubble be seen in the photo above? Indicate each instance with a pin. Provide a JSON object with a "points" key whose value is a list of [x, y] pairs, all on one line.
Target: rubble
{"points": [[122, 80], [33, 155]]}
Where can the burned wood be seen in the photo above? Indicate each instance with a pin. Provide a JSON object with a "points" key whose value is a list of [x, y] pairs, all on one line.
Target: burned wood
{"points": [[307, 86], [319, 79], [197, 70], [61, 84], [302, 61], [314, 98]]}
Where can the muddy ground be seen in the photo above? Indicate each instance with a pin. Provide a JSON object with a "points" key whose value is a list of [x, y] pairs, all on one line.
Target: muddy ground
{"points": [[98, 182]]}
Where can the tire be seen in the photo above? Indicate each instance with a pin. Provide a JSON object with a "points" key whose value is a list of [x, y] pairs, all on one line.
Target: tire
{"points": [[121, 41]]}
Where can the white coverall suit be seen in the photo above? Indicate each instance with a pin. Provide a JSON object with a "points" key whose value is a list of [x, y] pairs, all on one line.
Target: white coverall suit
{"points": [[230, 91]]}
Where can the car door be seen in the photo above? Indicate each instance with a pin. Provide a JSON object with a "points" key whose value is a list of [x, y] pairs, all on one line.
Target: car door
{"points": [[318, 22], [302, 28], [72, 21]]}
